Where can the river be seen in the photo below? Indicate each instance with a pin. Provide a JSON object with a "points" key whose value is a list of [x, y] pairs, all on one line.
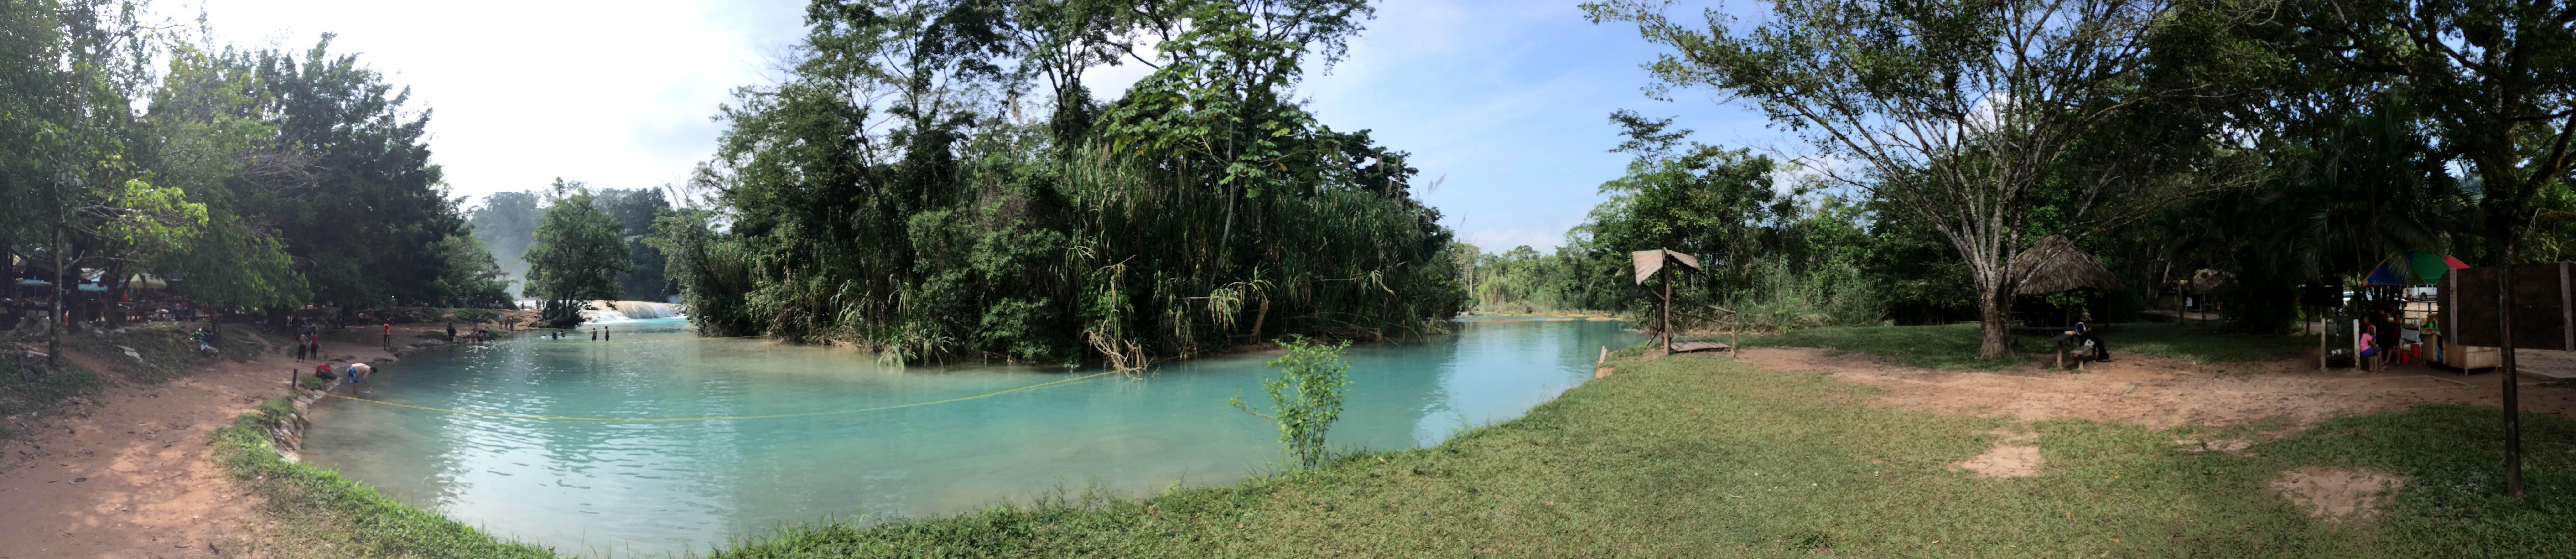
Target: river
{"points": [[665, 487]]}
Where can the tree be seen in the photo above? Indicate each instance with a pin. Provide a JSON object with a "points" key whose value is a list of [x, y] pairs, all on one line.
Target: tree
{"points": [[68, 158], [1962, 112], [2497, 79], [1305, 398], [506, 223], [635, 211], [577, 256]]}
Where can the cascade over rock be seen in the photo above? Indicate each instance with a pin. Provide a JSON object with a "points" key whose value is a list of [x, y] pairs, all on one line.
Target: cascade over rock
{"points": [[610, 311]]}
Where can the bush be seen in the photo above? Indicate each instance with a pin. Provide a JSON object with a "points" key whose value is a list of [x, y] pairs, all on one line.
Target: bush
{"points": [[1305, 398]]}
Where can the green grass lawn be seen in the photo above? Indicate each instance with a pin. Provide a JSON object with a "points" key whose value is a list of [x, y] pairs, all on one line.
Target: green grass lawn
{"points": [[1700, 456], [1954, 346]]}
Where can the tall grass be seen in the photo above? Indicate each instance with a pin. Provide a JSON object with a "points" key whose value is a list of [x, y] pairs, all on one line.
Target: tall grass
{"points": [[1832, 293]]}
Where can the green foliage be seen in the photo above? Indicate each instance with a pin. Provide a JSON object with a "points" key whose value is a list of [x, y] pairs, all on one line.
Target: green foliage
{"points": [[266, 178], [1305, 397], [1783, 259], [1155, 226], [1970, 116], [635, 211], [578, 255]]}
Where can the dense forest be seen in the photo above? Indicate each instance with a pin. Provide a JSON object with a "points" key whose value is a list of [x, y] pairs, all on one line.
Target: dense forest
{"points": [[507, 222], [899, 189], [263, 179], [2278, 143]]}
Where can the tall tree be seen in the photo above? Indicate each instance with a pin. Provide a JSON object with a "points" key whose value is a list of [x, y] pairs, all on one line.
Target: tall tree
{"points": [[577, 256], [1962, 112], [2497, 77], [635, 211]]}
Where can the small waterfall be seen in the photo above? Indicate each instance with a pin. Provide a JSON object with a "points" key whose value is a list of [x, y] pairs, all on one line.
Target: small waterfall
{"points": [[612, 311]]}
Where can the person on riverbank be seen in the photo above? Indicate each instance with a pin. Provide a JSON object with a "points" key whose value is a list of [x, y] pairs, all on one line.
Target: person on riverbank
{"points": [[389, 336]]}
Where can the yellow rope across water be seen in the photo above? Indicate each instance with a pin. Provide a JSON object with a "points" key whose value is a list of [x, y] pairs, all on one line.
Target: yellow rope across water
{"points": [[839, 412]]}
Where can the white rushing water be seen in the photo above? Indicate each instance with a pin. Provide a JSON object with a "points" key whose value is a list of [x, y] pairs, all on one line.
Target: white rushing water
{"points": [[616, 311]]}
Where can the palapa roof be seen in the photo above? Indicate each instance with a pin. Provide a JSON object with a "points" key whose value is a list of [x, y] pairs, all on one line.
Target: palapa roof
{"points": [[1648, 262], [2054, 264]]}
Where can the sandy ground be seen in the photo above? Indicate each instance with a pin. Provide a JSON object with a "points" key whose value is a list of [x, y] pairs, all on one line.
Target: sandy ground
{"points": [[128, 474], [2160, 392]]}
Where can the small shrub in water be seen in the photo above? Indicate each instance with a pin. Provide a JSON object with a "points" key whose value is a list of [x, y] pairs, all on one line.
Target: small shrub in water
{"points": [[1305, 397]]}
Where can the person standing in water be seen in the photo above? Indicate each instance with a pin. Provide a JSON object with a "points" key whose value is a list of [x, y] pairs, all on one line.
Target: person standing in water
{"points": [[594, 334], [603, 333]]}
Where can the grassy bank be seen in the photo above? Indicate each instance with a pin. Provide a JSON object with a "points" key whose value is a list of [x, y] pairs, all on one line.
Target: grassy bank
{"points": [[1689, 456], [1954, 346], [324, 515], [1692, 457]]}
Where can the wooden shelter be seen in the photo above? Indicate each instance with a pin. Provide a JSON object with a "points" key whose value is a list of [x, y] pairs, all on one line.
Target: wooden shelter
{"points": [[1650, 263], [2054, 265]]}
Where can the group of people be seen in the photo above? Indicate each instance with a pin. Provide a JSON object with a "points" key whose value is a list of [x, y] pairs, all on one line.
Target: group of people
{"points": [[596, 334], [308, 339], [2384, 333], [477, 334], [355, 372]]}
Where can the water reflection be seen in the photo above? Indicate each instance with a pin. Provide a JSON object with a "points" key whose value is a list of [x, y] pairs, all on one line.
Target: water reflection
{"points": [[653, 487]]}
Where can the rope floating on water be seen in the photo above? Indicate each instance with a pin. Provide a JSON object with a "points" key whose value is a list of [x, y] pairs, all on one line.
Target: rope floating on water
{"points": [[725, 418]]}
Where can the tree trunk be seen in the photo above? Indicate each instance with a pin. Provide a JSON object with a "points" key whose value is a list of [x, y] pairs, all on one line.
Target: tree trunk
{"points": [[115, 293], [1994, 339], [54, 322], [1994, 308]]}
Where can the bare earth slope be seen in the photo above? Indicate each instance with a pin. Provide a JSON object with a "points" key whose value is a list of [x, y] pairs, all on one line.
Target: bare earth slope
{"points": [[128, 476]]}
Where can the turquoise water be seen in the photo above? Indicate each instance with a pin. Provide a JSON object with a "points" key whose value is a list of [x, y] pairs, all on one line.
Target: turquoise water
{"points": [[651, 488]]}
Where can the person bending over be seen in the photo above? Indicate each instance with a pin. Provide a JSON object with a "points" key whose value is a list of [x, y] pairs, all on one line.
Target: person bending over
{"points": [[2085, 331]]}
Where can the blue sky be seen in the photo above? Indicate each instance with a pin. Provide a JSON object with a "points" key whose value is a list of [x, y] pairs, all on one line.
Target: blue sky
{"points": [[1506, 99]]}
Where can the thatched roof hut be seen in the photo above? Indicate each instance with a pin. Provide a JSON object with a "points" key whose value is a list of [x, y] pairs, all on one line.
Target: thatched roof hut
{"points": [[2054, 264]]}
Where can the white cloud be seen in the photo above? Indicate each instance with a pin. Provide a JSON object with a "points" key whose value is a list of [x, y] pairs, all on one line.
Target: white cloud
{"points": [[614, 93]]}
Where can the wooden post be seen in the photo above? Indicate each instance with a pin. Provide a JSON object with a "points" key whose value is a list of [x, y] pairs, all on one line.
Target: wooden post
{"points": [[2512, 419], [1258, 318], [1668, 310]]}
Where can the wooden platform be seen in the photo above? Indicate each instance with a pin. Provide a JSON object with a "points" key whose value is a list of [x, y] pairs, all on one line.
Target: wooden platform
{"points": [[1687, 347]]}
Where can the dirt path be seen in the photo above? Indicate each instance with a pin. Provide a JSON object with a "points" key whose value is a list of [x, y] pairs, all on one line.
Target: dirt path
{"points": [[129, 475], [2160, 392]]}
